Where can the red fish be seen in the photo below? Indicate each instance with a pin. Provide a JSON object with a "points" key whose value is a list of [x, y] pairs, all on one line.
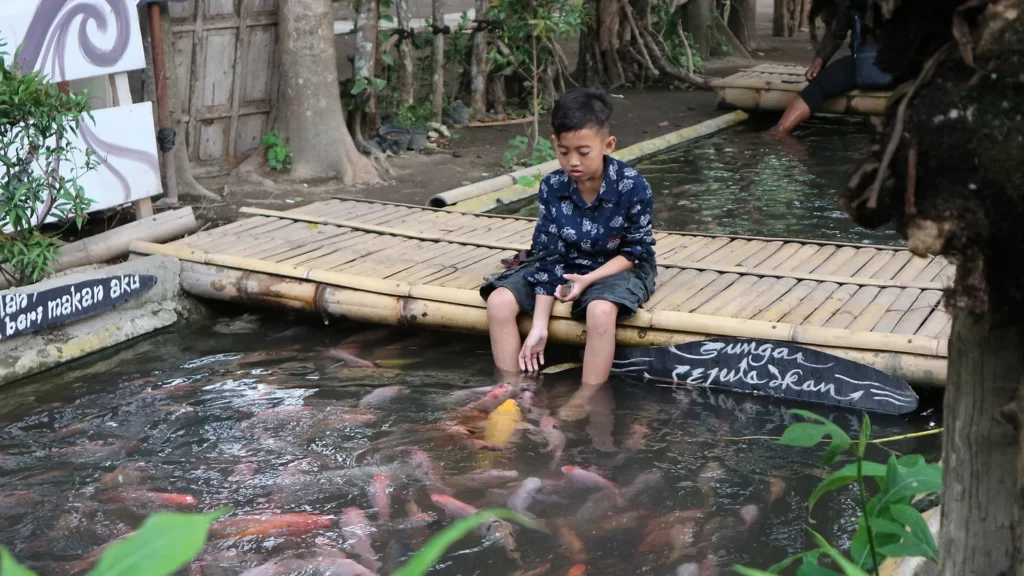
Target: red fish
{"points": [[242, 471], [150, 497], [588, 479], [523, 496], [538, 571], [481, 446], [776, 488], [749, 513], [577, 570], [572, 544], [493, 399], [274, 526], [638, 432], [357, 531], [453, 507], [379, 496], [555, 437], [351, 360], [484, 479]]}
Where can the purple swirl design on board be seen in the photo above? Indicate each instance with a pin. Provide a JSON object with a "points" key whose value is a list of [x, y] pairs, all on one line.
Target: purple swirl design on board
{"points": [[51, 26], [106, 151]]}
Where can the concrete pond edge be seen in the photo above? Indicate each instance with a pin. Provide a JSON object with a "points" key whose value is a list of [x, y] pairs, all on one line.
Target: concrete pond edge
{"points": [[489, 194]]}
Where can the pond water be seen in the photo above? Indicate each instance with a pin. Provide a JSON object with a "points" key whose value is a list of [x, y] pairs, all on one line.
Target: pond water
{"points": [[271, 419], [741, 181]]}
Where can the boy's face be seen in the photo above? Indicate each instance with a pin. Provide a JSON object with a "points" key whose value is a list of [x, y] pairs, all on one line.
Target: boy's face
{"points": [[581, 153]]}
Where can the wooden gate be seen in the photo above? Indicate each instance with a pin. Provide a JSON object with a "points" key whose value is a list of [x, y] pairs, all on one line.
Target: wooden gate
{"points": [[225, 59]]}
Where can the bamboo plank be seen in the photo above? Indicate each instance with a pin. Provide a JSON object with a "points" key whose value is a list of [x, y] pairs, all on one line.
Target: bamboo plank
{"points": [[936, 321], [676, 283], [800, 256], [935, 265], [728, 295], [762, 255], [300, 243], [874, 311], [354, 252], [896, 310], [472, 277], [664, 275], [853, 307], [812, 302], [518, 234], [762, 286], [736, 256], [946, 330], [836, 261], [708, 250], [684, 250], [328, 241], [724, 253], [386, 216], [341, 245], [790, 300], [831, 305], [893, 266], [912, 269], [816, 259], [856, 262], [722, 282], [317, 207], [947, 276], [376, 263], [767, 298], [918, 313], [432, 264], [676, 297], [779, 256], [699, 249], [875, 264], [468, 260], [232, 228]]}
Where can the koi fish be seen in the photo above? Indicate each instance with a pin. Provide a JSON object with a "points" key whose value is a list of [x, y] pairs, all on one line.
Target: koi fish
{"points": [[356, 529], [149, 497], [538, 571], [587, 479], [382, 395], [493, 399], [776, 488], [577, 570], [272, 526], [523, 496], [503, 423], [378, 492], [485, 479], [452, 507], [572, 544], [749, 513], [555, 437]]}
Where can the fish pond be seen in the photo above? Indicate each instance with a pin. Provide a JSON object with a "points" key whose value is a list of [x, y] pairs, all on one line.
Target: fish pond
{"points": [[274, 417], [742, 181]]}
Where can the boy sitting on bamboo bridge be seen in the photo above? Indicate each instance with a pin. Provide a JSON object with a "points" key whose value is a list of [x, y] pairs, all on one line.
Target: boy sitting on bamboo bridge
{"points": [[593, 246]]}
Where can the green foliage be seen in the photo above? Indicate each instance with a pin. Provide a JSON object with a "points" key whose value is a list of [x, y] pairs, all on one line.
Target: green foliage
{"points": [[889, 527], [417, 117], [668, 25], [521, 152], [164, 544], [431, 552], [37, 124], [279, 156]]}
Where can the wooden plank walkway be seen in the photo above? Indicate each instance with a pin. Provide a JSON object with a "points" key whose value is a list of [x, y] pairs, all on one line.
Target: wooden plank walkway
{"points": [[878, 305], [771, 87]]}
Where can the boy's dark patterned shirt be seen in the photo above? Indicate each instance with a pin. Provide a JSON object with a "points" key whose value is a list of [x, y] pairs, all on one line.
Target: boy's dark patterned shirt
{"points": [[573, 237]]}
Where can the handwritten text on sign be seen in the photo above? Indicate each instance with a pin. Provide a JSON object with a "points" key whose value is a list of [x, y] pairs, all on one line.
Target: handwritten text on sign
{"points": [[28, 312], [770, 368]]}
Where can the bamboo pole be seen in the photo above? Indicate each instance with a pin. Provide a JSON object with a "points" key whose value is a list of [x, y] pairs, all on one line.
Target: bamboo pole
{"points": [[233, 285], [690, 264], [114, 243], [658, 319]]}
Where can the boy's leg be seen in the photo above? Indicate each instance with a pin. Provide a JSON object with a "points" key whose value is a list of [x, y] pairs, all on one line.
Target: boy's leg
{"points": [[600, 350], [502, 311]]}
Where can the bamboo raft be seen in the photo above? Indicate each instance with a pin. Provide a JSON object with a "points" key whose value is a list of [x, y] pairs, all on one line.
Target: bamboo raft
{"points": [[395, 264], [771, 87]]}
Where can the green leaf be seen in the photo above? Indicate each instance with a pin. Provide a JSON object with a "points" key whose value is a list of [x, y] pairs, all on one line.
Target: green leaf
{"points": [[842, 477], [388, 59], [803, 435], [10, 567], [865, 434], [918, 541], [901, 484], [743, 571], [526, 181], [388, 18], [840, 441], [811, 556], [849, 568], [164, 544], [431, 552], [812, 569]]}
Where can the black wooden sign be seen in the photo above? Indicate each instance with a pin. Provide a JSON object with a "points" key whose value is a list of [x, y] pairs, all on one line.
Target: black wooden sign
{"points": [[28, 312], [767, 368]]}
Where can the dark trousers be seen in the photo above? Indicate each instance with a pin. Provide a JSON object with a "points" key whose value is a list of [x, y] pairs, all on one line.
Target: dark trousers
{"points": [[836, 79]]}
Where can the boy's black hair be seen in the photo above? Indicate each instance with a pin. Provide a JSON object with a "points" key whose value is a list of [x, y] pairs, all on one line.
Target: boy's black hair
{"points": [[581, 108]]}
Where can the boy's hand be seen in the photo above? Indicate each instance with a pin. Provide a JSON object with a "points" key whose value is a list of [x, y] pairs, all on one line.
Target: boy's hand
{"points": [[531, 357], [573, 288], [815, 68]]}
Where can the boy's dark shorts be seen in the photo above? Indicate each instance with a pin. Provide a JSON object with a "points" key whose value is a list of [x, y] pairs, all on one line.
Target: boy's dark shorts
{"points": [[629, 289]]}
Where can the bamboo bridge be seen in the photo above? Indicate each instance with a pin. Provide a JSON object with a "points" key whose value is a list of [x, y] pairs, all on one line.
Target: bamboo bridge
{"points": [[396, 264], [770, 87]]}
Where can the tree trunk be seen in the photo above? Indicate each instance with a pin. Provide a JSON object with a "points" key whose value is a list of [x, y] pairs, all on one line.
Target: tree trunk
{"points": [[698, 24], [367, 23], [310, 117], [735, 46], [406, 70], [437, 62], [496, 92], [743, 23], [480, 66], [980, 449]]}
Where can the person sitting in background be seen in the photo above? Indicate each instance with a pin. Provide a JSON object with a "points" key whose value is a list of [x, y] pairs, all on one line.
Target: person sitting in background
{"points": [[593, 246], [856, 70]]}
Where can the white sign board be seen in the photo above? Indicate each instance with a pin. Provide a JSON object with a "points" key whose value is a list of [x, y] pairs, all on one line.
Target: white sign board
{"points": [[77, 39]]}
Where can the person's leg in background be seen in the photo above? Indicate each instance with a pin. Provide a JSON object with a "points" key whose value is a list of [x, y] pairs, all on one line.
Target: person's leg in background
{"points": [[837, 78]]}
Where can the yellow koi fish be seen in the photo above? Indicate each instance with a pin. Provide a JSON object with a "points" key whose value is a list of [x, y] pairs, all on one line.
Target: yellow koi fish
{"points": [[503, 423]]}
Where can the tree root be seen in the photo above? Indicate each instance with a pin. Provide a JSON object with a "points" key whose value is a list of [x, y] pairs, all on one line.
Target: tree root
{"points": [[376, 158]]}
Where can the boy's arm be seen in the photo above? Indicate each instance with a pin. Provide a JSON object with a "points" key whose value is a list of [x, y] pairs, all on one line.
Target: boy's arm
{"points": [[547, 270], [638, 240]]}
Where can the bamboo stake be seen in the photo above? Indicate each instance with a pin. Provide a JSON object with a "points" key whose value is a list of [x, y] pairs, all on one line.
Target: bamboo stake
{"points": [[659, 319], [697, 252], [213, 282]]}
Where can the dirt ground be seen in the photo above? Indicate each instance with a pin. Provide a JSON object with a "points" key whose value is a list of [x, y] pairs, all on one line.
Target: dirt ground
{"points": [[476, 153]]}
